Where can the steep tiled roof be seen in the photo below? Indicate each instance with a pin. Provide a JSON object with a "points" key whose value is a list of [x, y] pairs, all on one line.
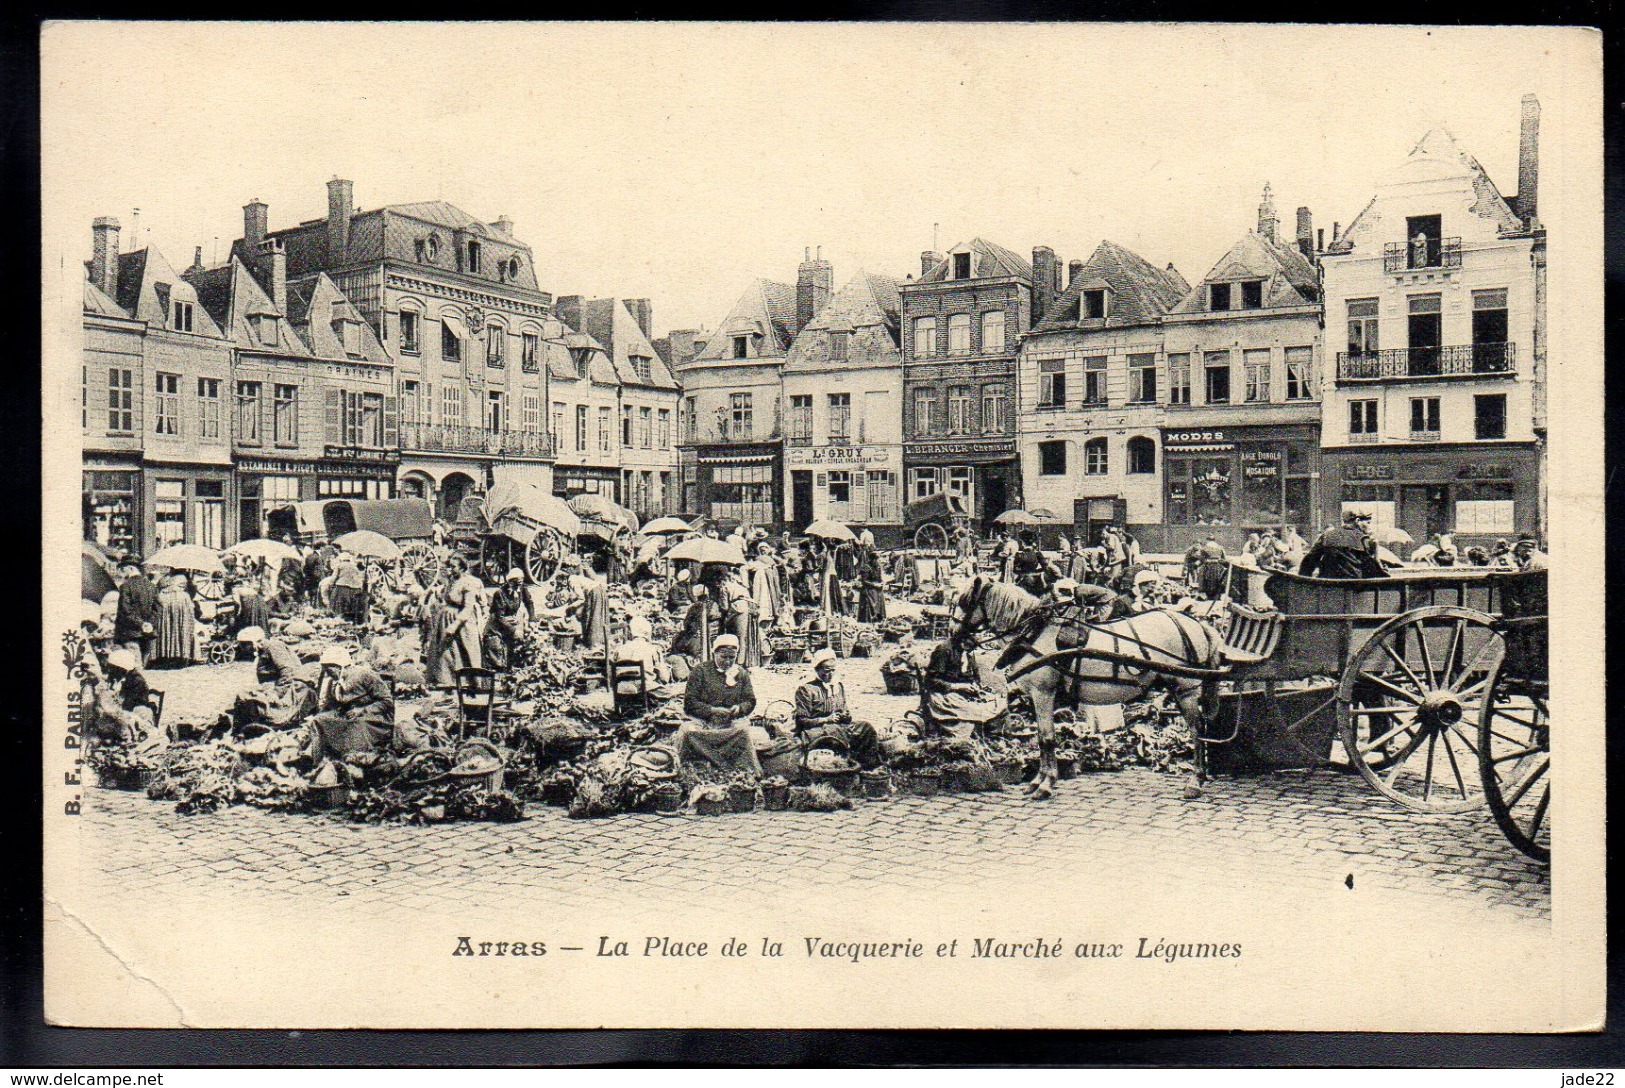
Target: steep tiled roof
{"points": [[609, 322], [867, 306], [991, 261], [1289, 278], [148, 284], [1140, 292], [231, 295], [781, 306], [765, 309], [312, 301], [97, 302], [443, 214]]}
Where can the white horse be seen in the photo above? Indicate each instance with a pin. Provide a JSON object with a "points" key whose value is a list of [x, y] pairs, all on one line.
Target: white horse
{"points": [[1113, 663]]}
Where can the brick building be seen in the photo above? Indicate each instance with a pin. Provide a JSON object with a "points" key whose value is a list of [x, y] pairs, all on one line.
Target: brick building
{"points": [[1431, 402], [1089, 393], [455, 301], [962, 321], [843, 388], [155, 377]]}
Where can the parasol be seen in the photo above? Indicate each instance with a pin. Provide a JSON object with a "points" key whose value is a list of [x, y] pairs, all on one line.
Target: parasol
{"points": [[1016, 516], [1042, 513], [365, 542], [666, 527], [1389, 535], [90, 612], [599, 508], [94, 580], [830, 530], [187, 557], [703, 549], [264, 548]]}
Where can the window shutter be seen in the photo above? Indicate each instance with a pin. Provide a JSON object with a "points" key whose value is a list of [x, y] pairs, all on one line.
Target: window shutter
{"points": [[426, 406], [392, 419], [267, 412], [334, 435]]}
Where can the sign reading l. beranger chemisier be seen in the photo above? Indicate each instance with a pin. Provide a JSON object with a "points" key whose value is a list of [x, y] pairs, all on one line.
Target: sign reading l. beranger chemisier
{"points": [[841, 455]]}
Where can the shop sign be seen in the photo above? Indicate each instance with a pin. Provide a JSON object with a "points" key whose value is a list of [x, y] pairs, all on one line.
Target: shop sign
{"points": [[1369, 472], [959, 449], [1194, 437], [1490, 471], [840, 455], [357, 453], [1261, 464]]}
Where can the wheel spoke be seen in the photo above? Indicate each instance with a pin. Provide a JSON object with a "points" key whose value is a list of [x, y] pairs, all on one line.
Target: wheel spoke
{"points": [[1456, 637], [1427, 657], [1393, 688], [1399, 763], [1520, 754], [1469, 670], [1540, 813], [1427, 769], [1384, 739], [1455, 767], [1373, 710], [1523, 787], [1405, 665]]}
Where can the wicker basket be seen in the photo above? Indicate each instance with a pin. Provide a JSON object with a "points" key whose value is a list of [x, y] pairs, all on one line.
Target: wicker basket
{"points": [[328, 798], [711, 806], [1066, 764], [900, 681], [876, 784], [1012, 772], [135, 779], [667, 797], [488, 780], [741, 798], [921, 784], [775, 797]]}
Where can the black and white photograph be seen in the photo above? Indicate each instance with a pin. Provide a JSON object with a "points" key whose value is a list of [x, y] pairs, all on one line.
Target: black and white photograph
{"points": [[823, 526]]}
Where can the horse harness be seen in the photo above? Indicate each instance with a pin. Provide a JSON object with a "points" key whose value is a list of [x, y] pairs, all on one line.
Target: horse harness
{"points": [[1073, 629]]}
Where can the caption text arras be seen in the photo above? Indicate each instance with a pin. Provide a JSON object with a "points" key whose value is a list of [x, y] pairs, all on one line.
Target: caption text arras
{"points": [[1162, 949]]}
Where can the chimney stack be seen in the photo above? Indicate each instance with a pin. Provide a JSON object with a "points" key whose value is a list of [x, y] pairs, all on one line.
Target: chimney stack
{"points": [[104, 255], [1335, 232], [255, 216], [1320, 239], [1306, 234], [643, 313], [197, 261], [815, 282], [503, 226], [1044, 277], [1529, 160], [340, 207], [1074, 269], [1268, 224], [277, 259]]}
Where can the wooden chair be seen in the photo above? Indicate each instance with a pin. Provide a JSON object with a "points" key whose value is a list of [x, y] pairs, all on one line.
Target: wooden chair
{"points": [[155, 700], [481, 701], [630, 672]]}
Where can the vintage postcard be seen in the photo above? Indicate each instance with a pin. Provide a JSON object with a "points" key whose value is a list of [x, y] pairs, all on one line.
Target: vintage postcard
{"points": [[823, 526]]}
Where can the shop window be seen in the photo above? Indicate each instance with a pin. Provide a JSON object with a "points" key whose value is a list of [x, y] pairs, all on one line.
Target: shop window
{"points": [[1095, 460], [1216, 373], [992, 331], [109, 509], [1261, 483], [208, 408], [1142, 379], [411, 331], [1485, 508], [1425, 417], [1142, 456], [1052, 383], [993, 406], [1490, 416], [925, 482], [1199, 490], [1377, 500], [1363, 419], [925, 336], [169, 511], [882, 494], [1179, 378], [959, 334], [840, 487], [1094, 380], [959, 483], [211, 512], [1255, 364], [167, 407], [1299, 373], [1052, 458], [743, 492]]}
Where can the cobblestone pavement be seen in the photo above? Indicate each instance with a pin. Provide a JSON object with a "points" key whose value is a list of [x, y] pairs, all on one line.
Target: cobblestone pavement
{"points": [[1291, 830]]}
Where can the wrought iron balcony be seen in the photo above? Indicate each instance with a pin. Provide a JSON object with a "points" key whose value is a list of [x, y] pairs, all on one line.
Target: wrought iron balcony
{"points": [[1429, 364], [1421, 256], [476, 440]]}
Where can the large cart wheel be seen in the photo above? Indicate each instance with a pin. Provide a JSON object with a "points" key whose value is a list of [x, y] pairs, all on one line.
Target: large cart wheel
{"points": [[931, 537], [1402, 704], [210, 587], [542, 557], [1514, 759]]}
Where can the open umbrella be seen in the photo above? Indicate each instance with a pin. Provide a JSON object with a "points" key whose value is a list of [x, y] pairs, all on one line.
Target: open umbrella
{"points": [[702, 549], [830, 530], [90, 612], [264, 548], [1390, 535], [95, 581], [187, 557], [365, 542], [666, 527], [1042, 513], [1016, 516]]}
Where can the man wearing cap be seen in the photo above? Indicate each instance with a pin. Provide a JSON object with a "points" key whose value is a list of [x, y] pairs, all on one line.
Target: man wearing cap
{"points": [[1346, 552], [135, 625], [822, 714], [122, 709], [357, 709], [719, 699], [1527, 555], [507, 624], [273, 660]]}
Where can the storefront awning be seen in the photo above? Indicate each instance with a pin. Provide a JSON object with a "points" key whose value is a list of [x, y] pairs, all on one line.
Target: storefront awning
{"points": [[737, 458], [1219, 447]]}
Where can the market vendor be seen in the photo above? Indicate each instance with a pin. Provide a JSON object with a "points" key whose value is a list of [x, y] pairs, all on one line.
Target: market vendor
{"points": [[681, 593], [640, 649], [693, 642], [954, 694], [121, 711], [822, 714], [349, 589], [136, 622], [719, 700], [1344, 552], [273, 660], [357, 709], [507, 624], [466, 598]]}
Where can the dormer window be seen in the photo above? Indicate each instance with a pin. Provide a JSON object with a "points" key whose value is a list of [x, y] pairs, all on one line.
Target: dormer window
{"points": [[182, 317], [961, 266], [1092, 304], [642, 367], [473, 256], [1218, 296], [428, 249], [838, 343], [264, 328], [348, 334], [1252, 295], [741, 347]]}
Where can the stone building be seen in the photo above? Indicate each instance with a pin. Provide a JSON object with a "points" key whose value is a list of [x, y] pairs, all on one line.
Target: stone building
{"points": [[962, 322], [155, 417], [1090, 394], [1240, 381], [843, 389], [586, 397], [455, 301], [731, 444], [1430, 417]]}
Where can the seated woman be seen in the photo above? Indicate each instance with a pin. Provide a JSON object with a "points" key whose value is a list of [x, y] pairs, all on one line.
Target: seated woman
{"points": [[120, 710], [640, 648], [954, 696], [357, 709], [719, 700]]}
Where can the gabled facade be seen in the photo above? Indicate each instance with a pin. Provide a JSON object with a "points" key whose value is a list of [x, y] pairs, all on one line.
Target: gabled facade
{"points": [[1239, 379], [586, 392], [730, 451], [1089, 395], [843, 386], [1435, 294], [455, 302], [962, 322], [156, 375]]}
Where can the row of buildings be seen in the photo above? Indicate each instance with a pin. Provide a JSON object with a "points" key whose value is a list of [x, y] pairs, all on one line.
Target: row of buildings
{"points": [[1398, 367]]}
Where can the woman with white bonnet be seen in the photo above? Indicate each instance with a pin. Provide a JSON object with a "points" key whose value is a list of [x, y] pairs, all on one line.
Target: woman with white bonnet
{"points": [[357, 709], [719, 701], [640, 648]]}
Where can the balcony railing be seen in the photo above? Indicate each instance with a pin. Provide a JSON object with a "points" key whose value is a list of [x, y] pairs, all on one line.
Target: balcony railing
{"points": [[1424, 436], [1421, 256], [476, 440], [1422, 364]]}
